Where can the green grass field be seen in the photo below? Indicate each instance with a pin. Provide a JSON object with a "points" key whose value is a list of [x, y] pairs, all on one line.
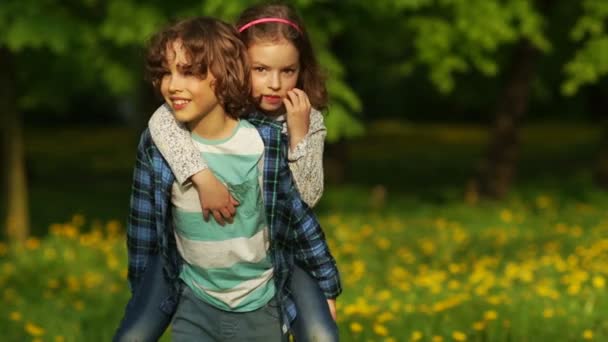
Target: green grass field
{"points": [[417, 263]]}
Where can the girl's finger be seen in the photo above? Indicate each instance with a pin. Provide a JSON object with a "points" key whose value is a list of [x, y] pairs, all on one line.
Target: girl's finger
{"points": [[288, 104], [303, 98], [295, 100]]}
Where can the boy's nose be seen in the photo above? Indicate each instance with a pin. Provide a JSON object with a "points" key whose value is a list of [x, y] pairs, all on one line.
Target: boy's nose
{"points": [[174, 84]]}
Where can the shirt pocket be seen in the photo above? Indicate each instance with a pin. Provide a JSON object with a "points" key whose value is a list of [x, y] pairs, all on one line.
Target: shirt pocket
{"points": [[249, 196]]}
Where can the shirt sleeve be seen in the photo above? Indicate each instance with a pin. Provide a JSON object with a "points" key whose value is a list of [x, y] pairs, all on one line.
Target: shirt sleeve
{"points": [[142, 239], [174, 143], [311, 250], [306, 160]]}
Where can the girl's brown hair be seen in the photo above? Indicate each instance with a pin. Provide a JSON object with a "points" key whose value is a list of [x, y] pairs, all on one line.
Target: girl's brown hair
{"points": [[211, 45], [311, 80]]}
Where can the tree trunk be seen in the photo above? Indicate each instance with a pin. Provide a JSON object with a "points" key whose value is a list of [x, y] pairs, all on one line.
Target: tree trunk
{"points": [[335, 162], [497, 170], [597, 106], [17, 213]]}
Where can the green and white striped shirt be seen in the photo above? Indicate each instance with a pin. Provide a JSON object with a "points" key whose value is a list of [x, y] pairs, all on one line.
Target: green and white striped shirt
{"points": [[228, 267]]}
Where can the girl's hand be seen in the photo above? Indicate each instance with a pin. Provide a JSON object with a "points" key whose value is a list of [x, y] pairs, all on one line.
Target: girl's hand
{"points": [[214, 197], [332, 307], [298, 115]]}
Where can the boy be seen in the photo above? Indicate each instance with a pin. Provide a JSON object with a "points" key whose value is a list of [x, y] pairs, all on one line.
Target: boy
{"points": [[235, 276]]}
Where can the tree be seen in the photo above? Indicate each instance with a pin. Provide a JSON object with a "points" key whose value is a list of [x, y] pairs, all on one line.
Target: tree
{"points": [[587, 67], [65, 49]]}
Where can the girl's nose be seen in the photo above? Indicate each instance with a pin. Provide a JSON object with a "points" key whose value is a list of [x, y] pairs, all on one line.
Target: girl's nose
{"points": [[274, 81]]}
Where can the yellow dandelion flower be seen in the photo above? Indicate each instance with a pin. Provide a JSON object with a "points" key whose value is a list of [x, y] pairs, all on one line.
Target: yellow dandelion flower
{"points": [[385, 317], [574, 289], [543, 201], [490, 315], [33, 329], [588, 334], [459, 336], [59, 338], [383, 243], [479, 326], [380, 330], [599, 282], [437, 338], [548, 313], [15, 316], [384, 295], [416, 336], [390, 339], [79, 305], [356, 327], [506, 216], [78, 220], [32, 243], [3, 248]]}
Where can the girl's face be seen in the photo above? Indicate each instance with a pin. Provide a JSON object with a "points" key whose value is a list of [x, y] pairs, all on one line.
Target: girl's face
{"points": [[275, 68]]}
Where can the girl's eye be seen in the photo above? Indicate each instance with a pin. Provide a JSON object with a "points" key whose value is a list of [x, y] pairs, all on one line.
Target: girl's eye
{"points": [[289, 71], [259, 69]]}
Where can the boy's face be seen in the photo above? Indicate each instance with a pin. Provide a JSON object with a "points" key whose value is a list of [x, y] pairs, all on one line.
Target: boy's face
{"points": [[275, 67], [190, 97]]}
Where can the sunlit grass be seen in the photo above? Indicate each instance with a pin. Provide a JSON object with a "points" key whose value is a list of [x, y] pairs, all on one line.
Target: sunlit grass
{"points": [[503, 272]]}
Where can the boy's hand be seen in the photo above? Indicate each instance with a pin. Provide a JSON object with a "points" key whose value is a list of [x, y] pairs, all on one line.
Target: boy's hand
{"points": [[298, 115], [214, 197], [332, 307]]}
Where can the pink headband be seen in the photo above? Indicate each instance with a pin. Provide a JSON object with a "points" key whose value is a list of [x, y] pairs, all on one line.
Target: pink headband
{"points": [[269, 20]]}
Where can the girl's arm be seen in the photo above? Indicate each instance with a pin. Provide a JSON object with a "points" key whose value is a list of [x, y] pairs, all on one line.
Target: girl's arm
{"points": [[311, 250], [307, 133], [173, 141], [306, 160], [175, 144]]}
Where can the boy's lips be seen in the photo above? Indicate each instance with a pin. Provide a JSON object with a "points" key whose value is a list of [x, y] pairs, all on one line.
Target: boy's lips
{"points": [[179, 103]]}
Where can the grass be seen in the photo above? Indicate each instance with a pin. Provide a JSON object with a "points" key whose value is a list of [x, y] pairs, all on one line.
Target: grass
{"points": [[416, 263]]}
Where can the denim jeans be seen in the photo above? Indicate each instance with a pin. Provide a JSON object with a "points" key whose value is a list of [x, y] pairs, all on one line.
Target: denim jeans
{"points": [[313, 321], [196, 320], [144, 320]]}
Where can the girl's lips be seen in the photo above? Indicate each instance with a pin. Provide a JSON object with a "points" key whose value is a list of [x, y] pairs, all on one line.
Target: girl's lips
{"points": [[272, 99]]}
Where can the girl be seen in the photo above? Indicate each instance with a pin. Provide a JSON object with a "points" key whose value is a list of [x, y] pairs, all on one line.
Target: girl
{"points": [[288, 86]]}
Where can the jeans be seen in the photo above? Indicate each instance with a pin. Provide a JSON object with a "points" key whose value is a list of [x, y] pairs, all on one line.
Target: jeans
{"points": [[144, 320], [196, 320], [313, 321]]}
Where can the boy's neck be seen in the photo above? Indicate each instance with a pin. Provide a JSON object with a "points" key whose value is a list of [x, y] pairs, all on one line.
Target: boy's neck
{"points": [[215, 125]]}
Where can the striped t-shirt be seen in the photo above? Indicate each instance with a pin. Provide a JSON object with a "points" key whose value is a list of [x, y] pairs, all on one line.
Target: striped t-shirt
{"points": [[228, 267]]}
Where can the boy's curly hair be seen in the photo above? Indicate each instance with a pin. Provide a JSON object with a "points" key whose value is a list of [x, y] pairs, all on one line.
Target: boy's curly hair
{"points": [[211, 45]]}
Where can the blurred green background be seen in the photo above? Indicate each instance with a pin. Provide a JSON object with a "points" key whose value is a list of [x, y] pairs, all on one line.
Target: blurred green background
{"points": [[466, 164]]}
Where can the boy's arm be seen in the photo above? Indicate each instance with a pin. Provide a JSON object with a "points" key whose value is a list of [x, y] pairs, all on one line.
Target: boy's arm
{"points": [[306, 160], [312, 251], [174, 143], [142, 240]]}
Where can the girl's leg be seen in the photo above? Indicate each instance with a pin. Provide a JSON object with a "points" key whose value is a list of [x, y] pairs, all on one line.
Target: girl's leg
{"points": [[313, 321], [144, 320]]}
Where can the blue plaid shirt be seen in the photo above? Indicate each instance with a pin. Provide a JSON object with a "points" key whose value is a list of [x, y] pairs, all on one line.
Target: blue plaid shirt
{"points": [[295, 234]]}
